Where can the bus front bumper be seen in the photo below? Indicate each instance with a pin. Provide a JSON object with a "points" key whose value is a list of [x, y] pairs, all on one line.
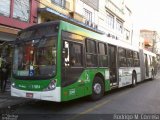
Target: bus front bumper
{"points": [[54, 95]]}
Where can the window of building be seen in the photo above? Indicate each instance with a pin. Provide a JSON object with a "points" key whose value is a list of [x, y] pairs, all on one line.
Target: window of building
{"points": [[127, 34], [110, 21], [5, 7], [91, 56], [103, 59], [21, 10], [88, 15], [59, 2], [119, 26]]}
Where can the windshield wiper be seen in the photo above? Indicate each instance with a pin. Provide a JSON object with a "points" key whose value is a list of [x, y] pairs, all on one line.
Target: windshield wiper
{"points": [[41, 42]]}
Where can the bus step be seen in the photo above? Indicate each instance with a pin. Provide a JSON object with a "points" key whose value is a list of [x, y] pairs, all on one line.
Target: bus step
{"points": [[114, 86]]}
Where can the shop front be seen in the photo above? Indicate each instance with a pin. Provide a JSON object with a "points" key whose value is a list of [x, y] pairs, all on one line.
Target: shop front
{"points": [[7, 35]]}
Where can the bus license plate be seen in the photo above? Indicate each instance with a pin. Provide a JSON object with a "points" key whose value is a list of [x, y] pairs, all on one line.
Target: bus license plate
{"points": [[29, 95]]}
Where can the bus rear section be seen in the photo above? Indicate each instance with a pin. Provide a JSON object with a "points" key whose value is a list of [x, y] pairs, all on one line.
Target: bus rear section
{"points": [[148, 64]]}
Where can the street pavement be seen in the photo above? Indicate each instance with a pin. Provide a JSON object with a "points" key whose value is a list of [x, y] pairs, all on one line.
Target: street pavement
{"points": [[142, 99], [7, 101]]}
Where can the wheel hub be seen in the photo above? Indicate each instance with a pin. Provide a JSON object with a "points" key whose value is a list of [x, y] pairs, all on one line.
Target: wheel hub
{"points": [[97, 88]]}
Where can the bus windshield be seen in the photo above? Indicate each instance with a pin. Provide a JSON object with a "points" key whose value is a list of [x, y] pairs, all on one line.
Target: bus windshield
{"points": [[35, 58]]}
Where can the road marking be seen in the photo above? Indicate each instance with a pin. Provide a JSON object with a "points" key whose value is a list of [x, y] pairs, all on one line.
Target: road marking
{"points": [[89, 110], [97, 106], [124, 93]]}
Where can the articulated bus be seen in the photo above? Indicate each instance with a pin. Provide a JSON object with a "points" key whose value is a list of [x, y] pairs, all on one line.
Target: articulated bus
{"points": [[58, 61]]}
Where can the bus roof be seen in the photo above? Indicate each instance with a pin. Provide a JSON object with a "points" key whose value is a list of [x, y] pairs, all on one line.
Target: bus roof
{"points": [[149, 53], [87, 33], [90, 34], [40, 25]]}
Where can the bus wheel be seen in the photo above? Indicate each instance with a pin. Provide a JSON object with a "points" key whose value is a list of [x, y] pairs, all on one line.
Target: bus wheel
{"points": [[152, 76], [134, 79], [97, 89]]}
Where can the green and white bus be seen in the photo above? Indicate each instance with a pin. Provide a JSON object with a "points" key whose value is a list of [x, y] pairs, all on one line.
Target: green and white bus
{"points": [[58, 61]]}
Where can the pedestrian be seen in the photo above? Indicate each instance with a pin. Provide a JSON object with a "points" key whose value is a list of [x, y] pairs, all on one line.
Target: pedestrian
{"points": [[4, 74]]}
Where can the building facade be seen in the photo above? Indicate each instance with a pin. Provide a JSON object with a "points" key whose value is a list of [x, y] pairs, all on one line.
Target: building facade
{"points": [[115, 18], [50, 10], [112, 17], [73, 11], [15, 15], [149, 40], [89, 9]]}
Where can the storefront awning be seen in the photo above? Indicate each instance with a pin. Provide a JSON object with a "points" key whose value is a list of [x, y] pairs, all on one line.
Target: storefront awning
{"points": [[7, 33], [7, 37]]}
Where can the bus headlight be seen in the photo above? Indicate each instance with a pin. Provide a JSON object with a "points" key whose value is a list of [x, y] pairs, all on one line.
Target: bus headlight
{"points": [[13, 84], [51, 86]]}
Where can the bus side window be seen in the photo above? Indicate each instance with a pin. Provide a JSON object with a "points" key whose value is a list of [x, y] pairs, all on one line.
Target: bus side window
{"points": [[136, 60], [73, 54], [103, 58], [76, 55], [122, 57], [129, 58], [91, 53]]}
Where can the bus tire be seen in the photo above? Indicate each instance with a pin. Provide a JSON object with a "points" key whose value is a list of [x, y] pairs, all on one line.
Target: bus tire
{"points": [[152, 75], [97, 89], [134, 79]]}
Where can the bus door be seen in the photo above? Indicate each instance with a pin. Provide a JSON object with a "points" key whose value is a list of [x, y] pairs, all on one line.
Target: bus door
{"points": [[113, 64], [146, 65]]}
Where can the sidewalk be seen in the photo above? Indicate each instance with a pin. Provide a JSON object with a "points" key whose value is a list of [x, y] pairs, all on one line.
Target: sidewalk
{"points": [[8, 102]]}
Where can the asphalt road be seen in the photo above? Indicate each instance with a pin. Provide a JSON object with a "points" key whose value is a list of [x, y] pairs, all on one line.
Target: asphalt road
{"points": [[142, 99]]}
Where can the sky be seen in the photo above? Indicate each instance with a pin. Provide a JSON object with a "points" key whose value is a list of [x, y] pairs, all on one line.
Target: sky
{"points": [[146, 14]]}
